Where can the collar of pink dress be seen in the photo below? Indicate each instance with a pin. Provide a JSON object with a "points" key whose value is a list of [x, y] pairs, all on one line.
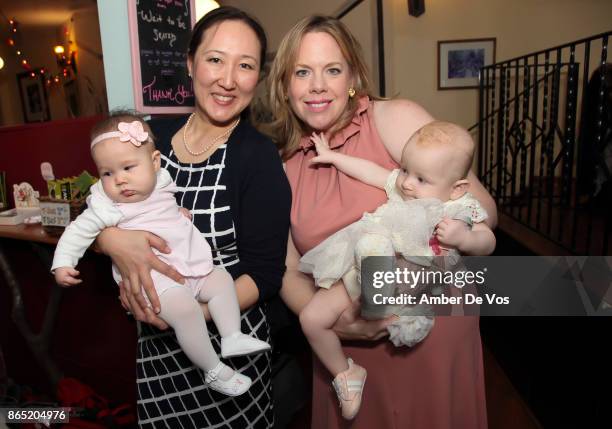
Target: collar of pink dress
{"points": [[347, 132]]}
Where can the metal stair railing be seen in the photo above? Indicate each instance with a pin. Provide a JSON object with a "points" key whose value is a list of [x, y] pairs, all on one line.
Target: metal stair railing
{"points": [[545, 124]]}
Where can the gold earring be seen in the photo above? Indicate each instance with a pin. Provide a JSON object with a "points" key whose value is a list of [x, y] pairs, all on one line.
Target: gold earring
{"points": [[351, 92]]}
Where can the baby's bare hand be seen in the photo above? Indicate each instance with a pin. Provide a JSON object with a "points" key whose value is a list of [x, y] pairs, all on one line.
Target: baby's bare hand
{"points": [[452, 232], [67, 276], [324, 153]]}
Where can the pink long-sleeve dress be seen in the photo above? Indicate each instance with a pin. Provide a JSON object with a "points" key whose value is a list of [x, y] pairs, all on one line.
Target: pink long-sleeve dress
{"points": [[438, 384]]}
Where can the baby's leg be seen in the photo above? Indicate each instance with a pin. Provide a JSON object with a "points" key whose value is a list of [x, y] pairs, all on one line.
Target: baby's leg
{"points": [[375, 245], [219, 292], [181, 311], [317, 320]]}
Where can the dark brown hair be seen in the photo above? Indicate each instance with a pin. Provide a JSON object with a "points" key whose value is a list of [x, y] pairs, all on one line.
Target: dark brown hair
{"points": [[227, 13]]}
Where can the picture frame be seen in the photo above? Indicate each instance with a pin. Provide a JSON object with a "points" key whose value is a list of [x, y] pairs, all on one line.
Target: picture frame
{"points": [[460, 61], [33, 97]]}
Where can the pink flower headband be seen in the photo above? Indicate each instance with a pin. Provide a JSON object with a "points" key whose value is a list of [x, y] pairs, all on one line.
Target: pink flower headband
{"points": [[132, 132]]}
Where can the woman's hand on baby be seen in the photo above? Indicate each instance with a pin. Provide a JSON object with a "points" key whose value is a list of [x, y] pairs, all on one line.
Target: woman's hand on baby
{"points": [[452, 232], [142, 314], [350, 325], [324, 153], [66, 276], [131, 252]]}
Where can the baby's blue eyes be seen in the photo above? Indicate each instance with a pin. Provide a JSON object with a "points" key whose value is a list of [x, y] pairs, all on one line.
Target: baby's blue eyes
{"points": [[334, 71]]}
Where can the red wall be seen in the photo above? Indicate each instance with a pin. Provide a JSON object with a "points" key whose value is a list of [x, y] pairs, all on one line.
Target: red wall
{"points": [[65, 144], [93, 340]]}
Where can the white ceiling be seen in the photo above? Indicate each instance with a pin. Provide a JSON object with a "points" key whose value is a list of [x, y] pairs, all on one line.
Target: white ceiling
{"points": [[43, 12]]}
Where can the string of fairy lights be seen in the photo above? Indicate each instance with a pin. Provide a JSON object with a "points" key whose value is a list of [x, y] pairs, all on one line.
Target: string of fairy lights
{"points": [[65, 61]]}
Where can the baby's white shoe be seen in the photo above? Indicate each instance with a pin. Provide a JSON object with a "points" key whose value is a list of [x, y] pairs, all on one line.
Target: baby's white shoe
{"points": [[240, 344], [235, 386]]}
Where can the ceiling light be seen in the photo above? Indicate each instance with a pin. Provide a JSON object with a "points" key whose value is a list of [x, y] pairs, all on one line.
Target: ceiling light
{"points": [[202, 7]]}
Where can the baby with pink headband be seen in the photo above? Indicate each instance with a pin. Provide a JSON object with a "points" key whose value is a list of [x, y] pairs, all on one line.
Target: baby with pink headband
{"points": [[135, 193]]}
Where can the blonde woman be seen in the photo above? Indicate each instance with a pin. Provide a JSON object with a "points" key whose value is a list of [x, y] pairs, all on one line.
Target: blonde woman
{"points": [[319, 83]]}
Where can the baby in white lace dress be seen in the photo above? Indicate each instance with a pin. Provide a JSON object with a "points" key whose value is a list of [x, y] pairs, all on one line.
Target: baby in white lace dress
{"points": [[429, 212]]}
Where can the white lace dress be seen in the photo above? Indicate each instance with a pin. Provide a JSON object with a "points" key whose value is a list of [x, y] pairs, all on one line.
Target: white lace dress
{"points": [[396, 227]]}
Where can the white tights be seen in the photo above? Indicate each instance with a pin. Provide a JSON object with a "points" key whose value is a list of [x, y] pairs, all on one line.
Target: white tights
{"points": [[181, 311]]}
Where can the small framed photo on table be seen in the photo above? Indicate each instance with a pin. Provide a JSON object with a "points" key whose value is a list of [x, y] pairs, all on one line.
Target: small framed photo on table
{"points": [[33, 97], [459, 62]]}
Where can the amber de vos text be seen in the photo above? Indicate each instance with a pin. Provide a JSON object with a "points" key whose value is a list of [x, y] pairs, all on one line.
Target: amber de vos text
{"points": [[424, 278]]}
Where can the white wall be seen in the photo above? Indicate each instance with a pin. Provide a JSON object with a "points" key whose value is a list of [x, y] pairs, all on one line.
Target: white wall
{"points": [[85, 27], [278, 16], [520, 26], [114, 33]]}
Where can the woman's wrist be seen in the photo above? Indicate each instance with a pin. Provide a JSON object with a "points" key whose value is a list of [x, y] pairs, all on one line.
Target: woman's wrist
{"points": [[297, 291], [100, 244], [246, 292]]}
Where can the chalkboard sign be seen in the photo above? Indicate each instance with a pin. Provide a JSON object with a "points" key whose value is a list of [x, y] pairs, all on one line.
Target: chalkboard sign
{"points": [[159, 35]]}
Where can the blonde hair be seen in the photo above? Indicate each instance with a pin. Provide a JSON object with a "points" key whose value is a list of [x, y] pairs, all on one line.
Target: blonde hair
{"points": [[451, 136], [287, 127]]}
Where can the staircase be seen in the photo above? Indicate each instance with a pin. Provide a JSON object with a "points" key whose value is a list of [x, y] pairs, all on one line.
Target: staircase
{"points": [[544, 129]]}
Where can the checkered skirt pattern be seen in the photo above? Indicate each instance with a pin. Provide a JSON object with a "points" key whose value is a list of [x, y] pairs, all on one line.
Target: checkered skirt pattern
{"points": [[172, 392]]}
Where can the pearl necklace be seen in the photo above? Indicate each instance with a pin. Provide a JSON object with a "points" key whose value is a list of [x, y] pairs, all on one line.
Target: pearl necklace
{"points": [[212, 143]]}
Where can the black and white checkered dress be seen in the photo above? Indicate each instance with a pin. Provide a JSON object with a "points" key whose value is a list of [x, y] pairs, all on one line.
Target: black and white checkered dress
{"points": [[172, 392]]}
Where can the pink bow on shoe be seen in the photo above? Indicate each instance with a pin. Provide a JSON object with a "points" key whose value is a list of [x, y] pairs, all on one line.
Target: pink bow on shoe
{"points": [[133, 133]]}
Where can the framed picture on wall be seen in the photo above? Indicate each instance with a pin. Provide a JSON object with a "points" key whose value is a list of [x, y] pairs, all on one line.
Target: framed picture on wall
{"points": [[33, 97], [459, 62]]}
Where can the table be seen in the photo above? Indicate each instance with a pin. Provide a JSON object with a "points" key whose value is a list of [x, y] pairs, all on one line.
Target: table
{"points": [[34, 233], [85, 332]]}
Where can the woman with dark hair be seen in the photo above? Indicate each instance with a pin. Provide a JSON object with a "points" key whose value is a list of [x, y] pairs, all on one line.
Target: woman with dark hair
{"points": [[231, 179]]}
